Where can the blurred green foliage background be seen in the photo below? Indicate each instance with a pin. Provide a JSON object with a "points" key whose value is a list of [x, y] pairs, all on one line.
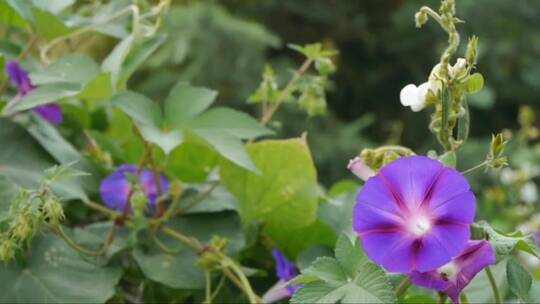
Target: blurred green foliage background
{"points": [[225, 45]]}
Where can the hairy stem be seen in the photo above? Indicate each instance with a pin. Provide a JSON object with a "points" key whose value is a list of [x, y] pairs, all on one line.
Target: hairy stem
{"points": [[267, 115]]}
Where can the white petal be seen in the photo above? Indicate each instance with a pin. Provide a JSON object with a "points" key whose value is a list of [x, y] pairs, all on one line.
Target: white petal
{"points": [[417, 107], [422, 93], [409, 95]]}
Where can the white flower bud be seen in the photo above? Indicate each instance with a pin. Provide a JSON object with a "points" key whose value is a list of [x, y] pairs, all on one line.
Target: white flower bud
{"points": [[458, 68], [360, 169]]}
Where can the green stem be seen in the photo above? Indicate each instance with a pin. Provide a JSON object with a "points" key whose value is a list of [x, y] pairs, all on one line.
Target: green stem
{"points": [[208, 290], [494, 288], [482, 164], [74, 245], [402, 288], [218, 287], [267, 116]]}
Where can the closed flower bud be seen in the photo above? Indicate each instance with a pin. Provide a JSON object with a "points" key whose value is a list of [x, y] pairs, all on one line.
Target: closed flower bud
{"points": [[53, 211], [8, 248], [23, 227], [472, 50], [420, 18], [325, 66], [459, 69], [138, 201]]}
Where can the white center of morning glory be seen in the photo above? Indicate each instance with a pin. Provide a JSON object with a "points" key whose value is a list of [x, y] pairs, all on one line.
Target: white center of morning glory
{"points": [[419, 225], [448, 271]]}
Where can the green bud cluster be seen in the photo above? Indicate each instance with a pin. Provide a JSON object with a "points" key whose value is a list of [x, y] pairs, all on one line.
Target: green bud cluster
{"points": [[495, 158], [305, 88], [450, 121], [380, 157], [138, 201]]}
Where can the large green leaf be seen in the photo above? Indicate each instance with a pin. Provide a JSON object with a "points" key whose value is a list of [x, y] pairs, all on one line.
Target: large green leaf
{"points": [[336, 212], [23, 161], [349, 278], [113, 62], [284, 195], [9, 15], [181, 271], [138, 56], [478, 290], [192, 161], [139, 107], [53, 6], [505, 243], [48, 275], [9, 191], [519, 280]]}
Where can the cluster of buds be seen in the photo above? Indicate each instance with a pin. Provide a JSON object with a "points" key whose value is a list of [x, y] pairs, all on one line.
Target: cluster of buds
{"points": [[307, 89], [209, 260], [29, 211], [495, 159]]}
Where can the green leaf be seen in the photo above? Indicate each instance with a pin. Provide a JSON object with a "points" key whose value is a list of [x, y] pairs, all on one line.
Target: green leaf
{"points": [[185, 102], [285, 193], [92, 237], [9, 15], [448, 159], [235, 123], [475, 83], [292, 241], [504, 244], [48, 25], [138, 56], [349, 255], [53, 6], [351, 278], [98, 89], [192, 161], [65, 153], [218, 200], [139, 107], [113, 62], [229, 147], [23, 161], [181, 271], [336, 212], [75, 68], [42, 95], [326, 269], [50, 270], [9, 191], [519, 280]]}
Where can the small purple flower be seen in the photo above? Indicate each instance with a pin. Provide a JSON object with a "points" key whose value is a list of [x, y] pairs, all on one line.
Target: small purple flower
{"points": [[414, 214], [19, 77], [454, 276], [285, 271], [115, 188]]}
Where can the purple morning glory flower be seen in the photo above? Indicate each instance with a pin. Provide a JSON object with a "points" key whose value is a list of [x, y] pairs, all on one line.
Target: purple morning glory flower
{"points": [[414, 214], [115, 188], [285, 271], [19, 77], [454, 276]]}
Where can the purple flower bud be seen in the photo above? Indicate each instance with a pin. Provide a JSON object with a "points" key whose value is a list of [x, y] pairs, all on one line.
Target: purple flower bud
{"points": [[414, 215], [360, 169], [453, 277], [115, 188], [19, 77], [285, 271]]}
